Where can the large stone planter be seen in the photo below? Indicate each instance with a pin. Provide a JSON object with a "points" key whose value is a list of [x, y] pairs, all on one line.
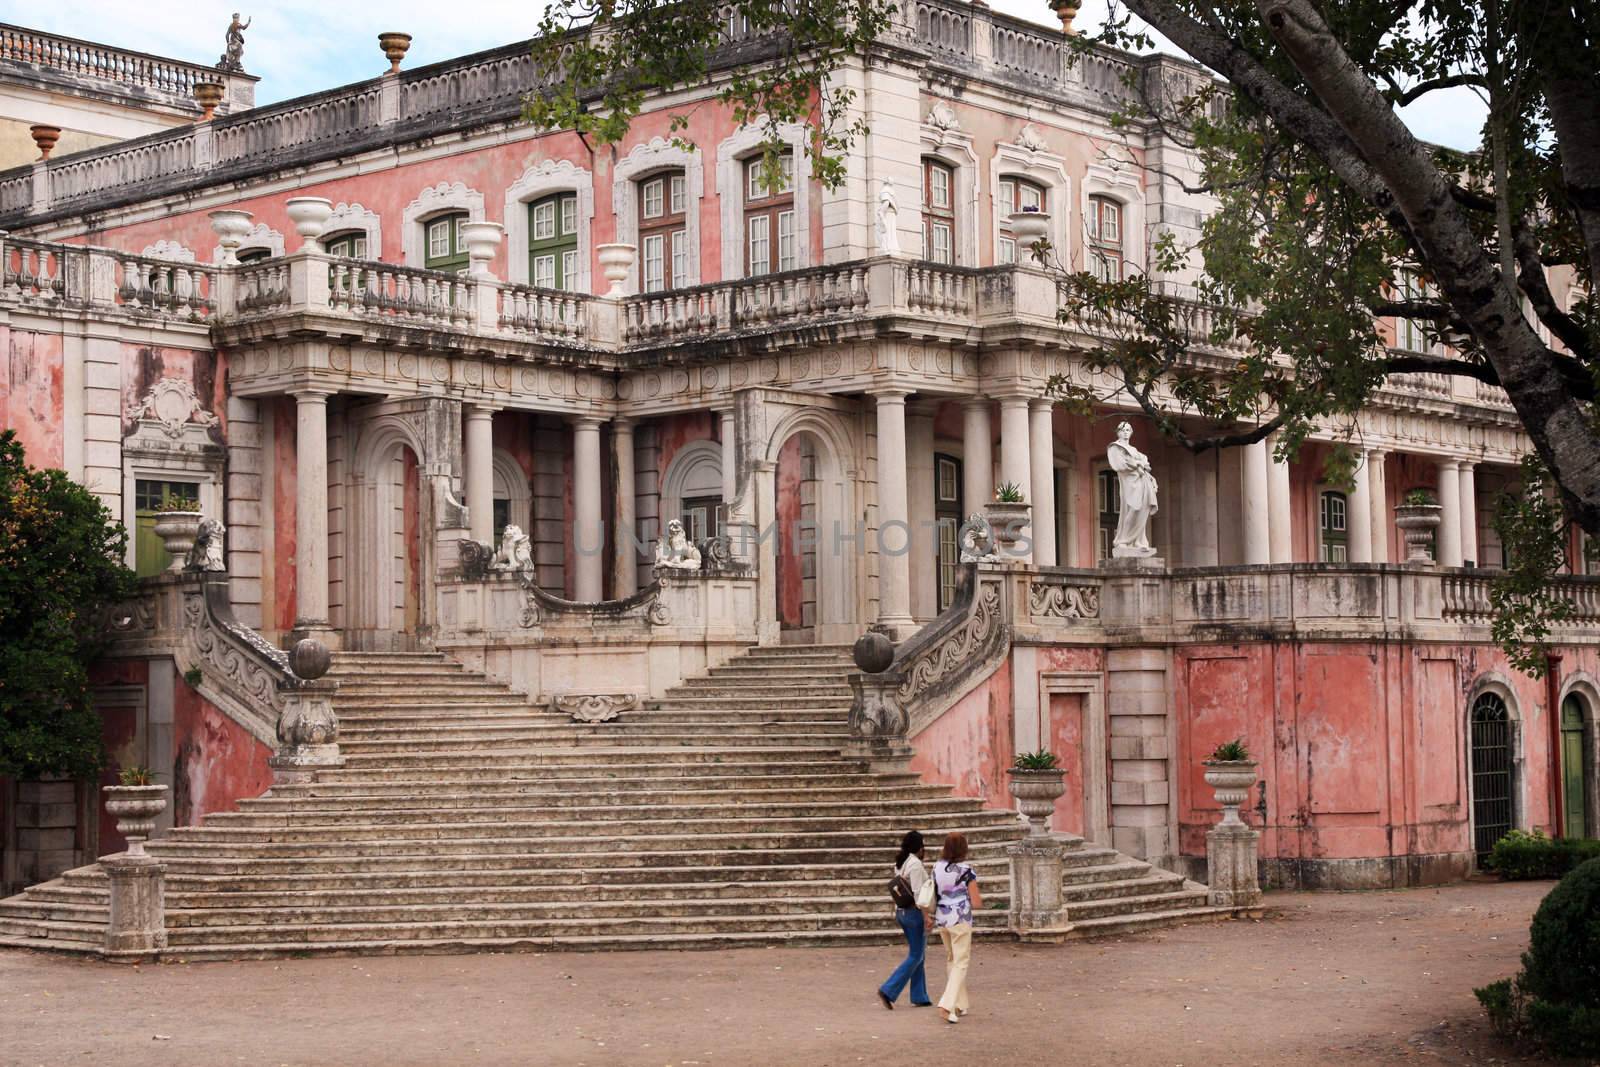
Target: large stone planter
{"points": [[615, 262], [1008, 522], [1417, 523], [136, 808], [1036, 793], [177, 530], [1232, 780], [1029, 228]]}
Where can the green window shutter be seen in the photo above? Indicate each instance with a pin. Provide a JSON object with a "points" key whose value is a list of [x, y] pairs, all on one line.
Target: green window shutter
{"points": [[553, 241], [443, 247], [1577, 823]]}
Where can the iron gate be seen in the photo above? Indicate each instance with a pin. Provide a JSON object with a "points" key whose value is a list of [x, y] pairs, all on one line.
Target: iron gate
{"points": [[1491, 773]]}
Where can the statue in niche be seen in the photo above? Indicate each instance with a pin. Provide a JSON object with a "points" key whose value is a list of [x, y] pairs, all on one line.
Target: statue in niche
{"points": [[206, 555], [888, 219], [1138, 488], [516, 551], [675, 552], [977, 541], [233, 58]]}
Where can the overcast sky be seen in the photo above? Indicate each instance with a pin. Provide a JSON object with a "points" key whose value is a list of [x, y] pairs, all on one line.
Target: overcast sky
{"points": [[302, 46]]}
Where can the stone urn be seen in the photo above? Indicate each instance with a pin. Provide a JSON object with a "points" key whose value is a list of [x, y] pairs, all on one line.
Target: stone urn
{"points": [[1008, 521], [394, 45], [615, 262], [231, 226], [136, 808], [1036, 792], [177, 530], [1066, 11], [1029, 228], [45, 138], [1417, 523], [208, 95], [1231, 780], [483, 240], [310, 216]]}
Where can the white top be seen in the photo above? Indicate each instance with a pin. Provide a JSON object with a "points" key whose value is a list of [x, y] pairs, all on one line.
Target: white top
{"points": [[914, 873]]}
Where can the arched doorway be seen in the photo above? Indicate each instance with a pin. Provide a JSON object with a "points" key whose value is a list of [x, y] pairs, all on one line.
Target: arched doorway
{"points": [[1576, 770], [797, 538], [817, 546], [385, 548], [1490, 731]]}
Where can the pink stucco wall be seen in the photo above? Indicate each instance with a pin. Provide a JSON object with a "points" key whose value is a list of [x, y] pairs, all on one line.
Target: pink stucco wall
{"points": [[969, 747], [30, 394], [215, 760]]}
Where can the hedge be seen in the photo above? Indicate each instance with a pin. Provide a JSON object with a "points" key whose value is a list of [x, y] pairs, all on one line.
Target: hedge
{"points": [[1520, 855]]}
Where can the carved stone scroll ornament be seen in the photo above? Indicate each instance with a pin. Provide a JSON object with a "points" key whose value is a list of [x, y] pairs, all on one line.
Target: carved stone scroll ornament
{"points": [[173, 403], [540, 607], [959, 651], [1050, 600], [593, 707]]}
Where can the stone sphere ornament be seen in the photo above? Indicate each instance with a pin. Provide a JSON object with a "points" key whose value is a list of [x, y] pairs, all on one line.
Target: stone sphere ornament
{"points": [[310, 659], [873, 652]]}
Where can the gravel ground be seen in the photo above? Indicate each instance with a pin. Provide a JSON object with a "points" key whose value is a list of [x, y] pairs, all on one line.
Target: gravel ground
{"points": [[1324, 979]]}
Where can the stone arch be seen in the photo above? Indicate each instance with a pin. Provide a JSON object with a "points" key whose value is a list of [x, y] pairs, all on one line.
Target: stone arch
{"points": [[511, 484], [1494, 684], [696, 470], [386, 580], [838, 551]]}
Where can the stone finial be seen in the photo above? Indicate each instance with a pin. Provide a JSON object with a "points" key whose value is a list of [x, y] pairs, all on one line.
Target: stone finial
{"points": [[310, 659], [208, 95], [310, 216], [394, 47], [873, 652], [45, 137], [1066, 11]]}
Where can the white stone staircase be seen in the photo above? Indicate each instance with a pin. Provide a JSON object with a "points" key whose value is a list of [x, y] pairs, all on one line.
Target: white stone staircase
{"points": [[724, 814]]}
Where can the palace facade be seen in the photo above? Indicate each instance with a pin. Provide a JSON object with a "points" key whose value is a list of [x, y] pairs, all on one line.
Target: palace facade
{"points": [[485, 325]]}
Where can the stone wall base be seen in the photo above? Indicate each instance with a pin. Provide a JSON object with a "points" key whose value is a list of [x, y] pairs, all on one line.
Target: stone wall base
{"points": [[1382, 872]]}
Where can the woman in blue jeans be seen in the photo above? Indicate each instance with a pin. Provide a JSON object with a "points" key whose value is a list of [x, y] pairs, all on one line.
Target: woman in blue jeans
{"points": [[914, 923]]}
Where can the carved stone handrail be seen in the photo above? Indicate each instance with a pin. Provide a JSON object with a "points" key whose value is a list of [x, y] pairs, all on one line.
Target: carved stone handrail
{"points": [[540, 607], [933, 669], [1063, 597]]}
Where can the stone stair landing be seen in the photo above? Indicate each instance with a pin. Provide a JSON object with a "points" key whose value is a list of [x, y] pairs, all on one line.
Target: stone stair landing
{"points": [[725, 813]]}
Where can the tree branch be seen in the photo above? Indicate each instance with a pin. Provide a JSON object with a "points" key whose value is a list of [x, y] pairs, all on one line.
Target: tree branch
{"points": [[1403, 97]]}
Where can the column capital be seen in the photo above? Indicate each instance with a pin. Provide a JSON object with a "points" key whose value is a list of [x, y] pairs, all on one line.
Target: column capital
{"points": [[979, 401], [585, 422], [1041, 403], [889, 394], [1014, 400], [311, 393], [623, 422], [1449, 463], [478, 411]]}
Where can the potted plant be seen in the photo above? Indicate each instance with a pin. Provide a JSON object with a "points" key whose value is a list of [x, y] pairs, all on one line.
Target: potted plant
{"points": [[1007, 515], [136, 801], [1037, 780], [1418, 517], [1231, 772], [177, 524]]}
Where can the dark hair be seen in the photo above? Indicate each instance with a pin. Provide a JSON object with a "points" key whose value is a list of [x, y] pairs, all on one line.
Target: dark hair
{"points": [[910, 845], [955, 848]]}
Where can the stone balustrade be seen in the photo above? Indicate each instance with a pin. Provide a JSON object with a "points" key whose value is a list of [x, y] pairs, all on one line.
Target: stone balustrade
{"points": [[71, 56]]}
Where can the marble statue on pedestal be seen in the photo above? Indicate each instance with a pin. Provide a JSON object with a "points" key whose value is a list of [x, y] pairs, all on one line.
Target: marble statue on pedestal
{"points": [[888, 219], [675, 552], [1138, 490], [516, 551]]}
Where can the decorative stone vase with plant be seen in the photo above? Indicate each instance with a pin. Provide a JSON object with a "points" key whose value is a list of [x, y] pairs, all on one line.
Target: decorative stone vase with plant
{"points": [[177, 524], [1037, 781], [1231, 772], [1008, 515], [135, 801], [1417, 519]]}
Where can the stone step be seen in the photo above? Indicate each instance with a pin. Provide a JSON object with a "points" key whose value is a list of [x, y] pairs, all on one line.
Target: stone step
{"points": [[485, 705], [757, 770], [41, 906], [1150, 884], [621, 758], [799, 783], [1127, 905], [895, 811], [863, 892], [361, 745], [52, 933], [744, 704]]}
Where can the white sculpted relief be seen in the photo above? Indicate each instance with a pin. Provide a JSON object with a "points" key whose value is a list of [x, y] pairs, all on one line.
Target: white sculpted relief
{"points": [[516, 551], [675, 552], [1138, 487], [888, 219]]}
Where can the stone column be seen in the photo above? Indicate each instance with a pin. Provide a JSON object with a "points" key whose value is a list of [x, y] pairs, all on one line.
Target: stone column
{"points": [[977, 459], [1359, 521], [730, 462], [894, 558], [1279, 508], [625, 572], [1257, 539], [138, 917], [1041, 439], [922, 510], [764, 488], [311, 513], [1450, 515], [1016, 461], [1469, 513], [588, 532], [480, 472], [1378, 491]]}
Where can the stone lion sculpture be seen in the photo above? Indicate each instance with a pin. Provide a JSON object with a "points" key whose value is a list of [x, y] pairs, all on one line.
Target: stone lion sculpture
{"points": [[206, 555], [977, 541], [675, 552], [516, 551]]}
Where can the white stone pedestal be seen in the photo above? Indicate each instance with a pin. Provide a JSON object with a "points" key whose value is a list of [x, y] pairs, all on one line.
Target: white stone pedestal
{"points": [[1038, 911], [1231, 867], [138, 904]]}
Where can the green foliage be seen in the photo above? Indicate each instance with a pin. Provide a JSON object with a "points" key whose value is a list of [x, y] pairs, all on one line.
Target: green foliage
{"points": [[1231, 751], [1526, 604], [1555, 1002], [60, 566], [1418, 498], [136, 776], [1042, 760], [193, 677], [1009, 493], [768, 61], [1521, 855]]}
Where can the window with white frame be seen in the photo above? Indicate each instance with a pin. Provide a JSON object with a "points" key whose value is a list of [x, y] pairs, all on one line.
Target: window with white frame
{"points": [[446, 247], [938, 211], [1014, 195], [1408, 333], [553, 241], [769, 217], [1104, 225], [663, 238], [1335, 527]]}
